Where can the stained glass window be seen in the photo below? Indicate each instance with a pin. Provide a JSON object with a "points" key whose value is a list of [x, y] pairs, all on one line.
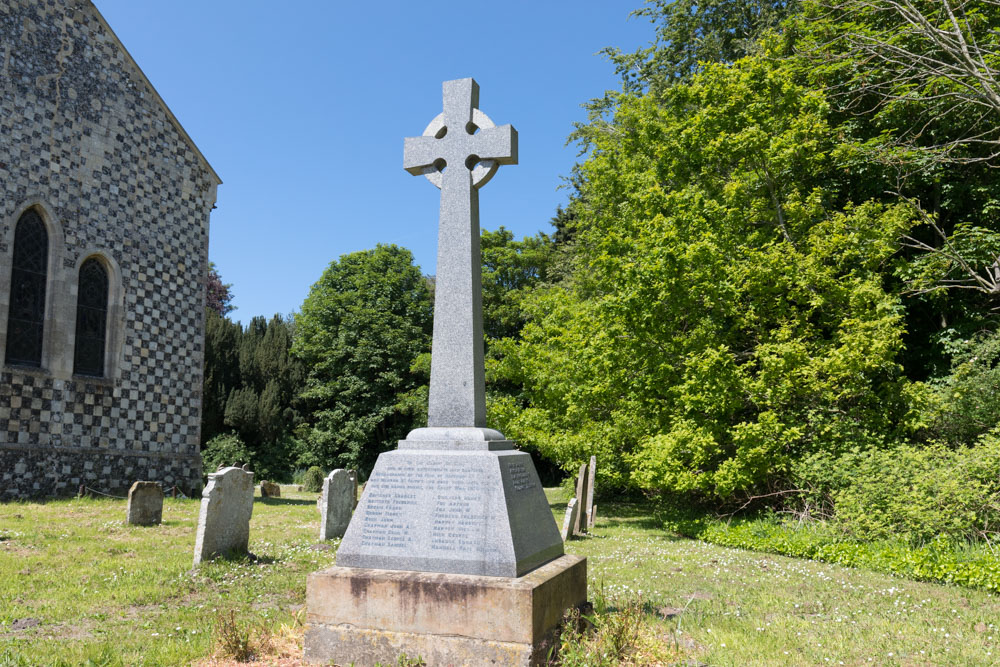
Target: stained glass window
{"points": [[26, 317], [91, 319]]}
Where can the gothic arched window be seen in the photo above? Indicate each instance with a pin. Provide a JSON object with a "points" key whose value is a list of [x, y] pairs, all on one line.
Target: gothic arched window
{"points": [[26, 316], [91, 319]]}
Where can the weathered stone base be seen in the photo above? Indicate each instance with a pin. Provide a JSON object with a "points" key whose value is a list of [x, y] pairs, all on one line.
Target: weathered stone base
{"points": [[39, 472], [364, 616]]}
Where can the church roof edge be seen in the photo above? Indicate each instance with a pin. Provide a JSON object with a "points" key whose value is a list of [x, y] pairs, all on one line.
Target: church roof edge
{"points": [[159, 98]]}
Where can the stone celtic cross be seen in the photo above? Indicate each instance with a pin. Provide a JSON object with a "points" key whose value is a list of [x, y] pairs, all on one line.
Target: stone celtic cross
{"points": [[459, 152]]}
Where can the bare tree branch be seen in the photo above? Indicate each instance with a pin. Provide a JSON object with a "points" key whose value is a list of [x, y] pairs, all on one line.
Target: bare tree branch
{"points": [[940, 51]]}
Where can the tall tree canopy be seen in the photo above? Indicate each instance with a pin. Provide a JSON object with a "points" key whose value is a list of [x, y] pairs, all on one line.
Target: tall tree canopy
{"points": [[251, 390], [742, 294], [360, 330], [218, 295]]}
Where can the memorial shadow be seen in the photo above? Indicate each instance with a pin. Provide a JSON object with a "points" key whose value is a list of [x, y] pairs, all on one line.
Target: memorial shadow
{"points": [[244, 557], [642, 515], [283, 501]]}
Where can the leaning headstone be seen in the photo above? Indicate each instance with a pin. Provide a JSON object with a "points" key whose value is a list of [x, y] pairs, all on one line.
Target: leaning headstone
{"points": [[224, 519], [269, 490], [145, 504], [569, 520], [453, 525], [340, 495], [591, 479], [580, 523]]}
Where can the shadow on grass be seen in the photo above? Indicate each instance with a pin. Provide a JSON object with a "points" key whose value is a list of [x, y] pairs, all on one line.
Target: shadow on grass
{"points": [[243, 557], [283, 501], [643, 515]]}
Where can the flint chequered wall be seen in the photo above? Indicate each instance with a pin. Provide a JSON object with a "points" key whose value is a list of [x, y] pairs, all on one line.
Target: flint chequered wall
{"points": [[86, 140]]}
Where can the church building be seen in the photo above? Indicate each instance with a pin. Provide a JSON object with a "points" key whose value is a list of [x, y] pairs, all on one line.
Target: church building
{"points": [[104, 218]]}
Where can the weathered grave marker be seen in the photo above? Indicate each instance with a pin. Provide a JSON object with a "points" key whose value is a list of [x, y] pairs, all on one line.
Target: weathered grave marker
{"points": [[224, 519], [580, 523], [337, 502], [591, 480], [569, 520], [145, 504], [454, 524], [270, 490]]}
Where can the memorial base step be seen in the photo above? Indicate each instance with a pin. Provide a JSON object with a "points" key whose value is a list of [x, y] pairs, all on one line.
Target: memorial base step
{"points": [[367, 616]]}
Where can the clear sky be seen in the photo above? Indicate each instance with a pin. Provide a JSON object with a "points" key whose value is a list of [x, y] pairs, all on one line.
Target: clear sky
{"points": [[302, 107]]}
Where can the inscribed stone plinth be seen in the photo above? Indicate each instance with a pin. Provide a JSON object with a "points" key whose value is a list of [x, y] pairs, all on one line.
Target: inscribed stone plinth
{"points": [[466, 512], [367, 617], [337, 503], [569, 520], [224, 519], [591, 480], [145, 504], [270, 490]]}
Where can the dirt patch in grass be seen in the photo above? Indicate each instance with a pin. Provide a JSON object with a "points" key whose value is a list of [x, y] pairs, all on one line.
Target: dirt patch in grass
{"points": [[19, 550], [23, 624], [36, 628]]}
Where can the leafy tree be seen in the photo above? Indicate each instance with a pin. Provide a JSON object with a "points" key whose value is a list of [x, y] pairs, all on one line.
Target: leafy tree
{"points": [[729, 312], [913, 85], [218, 295], [936, 60], [692, 33], [510, 269], [222, 372], [251, 390], [361, 328]]}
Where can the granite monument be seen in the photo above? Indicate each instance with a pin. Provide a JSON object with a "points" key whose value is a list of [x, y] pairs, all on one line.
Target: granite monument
{"points": [[453, 553]]}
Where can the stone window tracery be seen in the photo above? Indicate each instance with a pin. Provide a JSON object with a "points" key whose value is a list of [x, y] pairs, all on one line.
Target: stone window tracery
{"points": [[29, 274], [91, 319]]}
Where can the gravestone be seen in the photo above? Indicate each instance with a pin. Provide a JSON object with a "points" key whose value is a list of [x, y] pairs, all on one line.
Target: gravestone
{"points": [[569, 520], [337, 503], [270, 490], [145, 504], [591, 480], [453, 553], [224, 519], [580, 523]]}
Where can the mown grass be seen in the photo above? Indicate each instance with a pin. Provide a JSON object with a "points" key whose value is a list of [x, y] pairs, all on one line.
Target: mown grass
{"points": [[722, 606], [79, 585]]}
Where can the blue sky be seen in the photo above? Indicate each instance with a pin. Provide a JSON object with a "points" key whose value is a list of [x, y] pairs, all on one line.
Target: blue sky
{"points": [[302, 108]]}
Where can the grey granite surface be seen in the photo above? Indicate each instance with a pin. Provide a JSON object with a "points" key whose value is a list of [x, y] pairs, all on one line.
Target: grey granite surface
{"points": [[459, 152], [463, 512]]}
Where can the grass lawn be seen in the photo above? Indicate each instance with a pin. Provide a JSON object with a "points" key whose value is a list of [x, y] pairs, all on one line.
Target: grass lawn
{"points": [[78, 585]]}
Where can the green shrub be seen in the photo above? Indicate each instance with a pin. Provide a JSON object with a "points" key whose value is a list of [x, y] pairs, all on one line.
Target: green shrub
{"points": [[965, 404], [313, 479], [225, 449], [919, 493], [266, 461], [941, 560]]}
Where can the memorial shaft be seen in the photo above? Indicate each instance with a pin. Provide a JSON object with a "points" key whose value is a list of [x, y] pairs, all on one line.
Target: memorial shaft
{"points": [[458, 387], [459, 152]]}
